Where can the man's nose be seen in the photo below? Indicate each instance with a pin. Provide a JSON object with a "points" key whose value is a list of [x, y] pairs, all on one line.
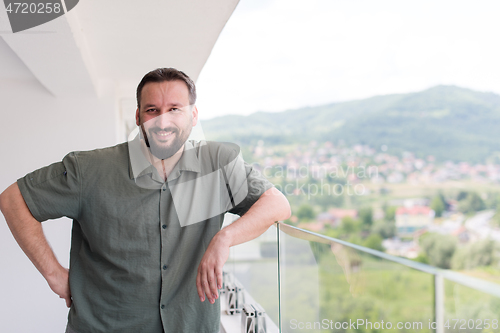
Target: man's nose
{"points": [[163, 121]]}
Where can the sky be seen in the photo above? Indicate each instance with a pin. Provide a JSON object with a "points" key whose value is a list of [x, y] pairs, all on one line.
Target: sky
{"points": [[275, 55]]}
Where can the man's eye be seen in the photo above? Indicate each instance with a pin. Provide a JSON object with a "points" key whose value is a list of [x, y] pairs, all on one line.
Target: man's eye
{"points": [[150, 110], [175, 109]]}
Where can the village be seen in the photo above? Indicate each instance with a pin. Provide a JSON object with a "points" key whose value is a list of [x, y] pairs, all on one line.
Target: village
{"points": [[331, 186]]}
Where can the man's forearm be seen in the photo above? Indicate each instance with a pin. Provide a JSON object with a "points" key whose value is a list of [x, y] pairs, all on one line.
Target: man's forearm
{"points": [[272, 206], [29, 235]]}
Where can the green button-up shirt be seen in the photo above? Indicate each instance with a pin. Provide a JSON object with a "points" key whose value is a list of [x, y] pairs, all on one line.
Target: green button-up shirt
{"points": [[135, 249]]}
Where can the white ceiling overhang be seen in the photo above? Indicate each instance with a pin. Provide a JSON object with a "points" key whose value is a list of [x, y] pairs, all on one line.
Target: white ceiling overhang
{"points": [[103, 45]]}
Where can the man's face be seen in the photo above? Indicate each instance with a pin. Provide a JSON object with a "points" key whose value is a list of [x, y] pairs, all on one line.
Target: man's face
{"points": [[165, 117]]}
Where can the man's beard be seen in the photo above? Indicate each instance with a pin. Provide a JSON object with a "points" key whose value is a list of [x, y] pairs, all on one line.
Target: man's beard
{"points": [[164, 152]]}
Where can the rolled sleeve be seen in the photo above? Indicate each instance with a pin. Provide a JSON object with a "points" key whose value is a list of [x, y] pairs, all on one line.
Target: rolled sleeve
{"points": [[256, 185], [53, 191]]}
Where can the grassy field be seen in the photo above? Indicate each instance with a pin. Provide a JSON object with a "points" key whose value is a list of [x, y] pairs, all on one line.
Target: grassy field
{"points": [[324, 287], [353, 287]]}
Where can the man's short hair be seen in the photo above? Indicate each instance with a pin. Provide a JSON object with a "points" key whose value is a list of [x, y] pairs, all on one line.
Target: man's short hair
{"points": [[167, 74]]}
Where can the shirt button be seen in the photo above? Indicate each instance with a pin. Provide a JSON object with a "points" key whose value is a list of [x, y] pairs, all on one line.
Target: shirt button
{"points": [[162, 306], [164, 188], [164, 226], [164, 266]]}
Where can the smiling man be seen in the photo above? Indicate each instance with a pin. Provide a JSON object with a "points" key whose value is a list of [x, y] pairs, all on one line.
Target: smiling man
{"points": [[147, 246], [166, 135]]}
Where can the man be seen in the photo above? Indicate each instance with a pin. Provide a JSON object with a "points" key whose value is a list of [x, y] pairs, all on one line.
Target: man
{"points": [[147, 247]]}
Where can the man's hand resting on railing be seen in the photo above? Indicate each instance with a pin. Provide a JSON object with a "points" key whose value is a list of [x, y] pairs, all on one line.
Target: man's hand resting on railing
{"points": [[272, 206], [209, 278]]}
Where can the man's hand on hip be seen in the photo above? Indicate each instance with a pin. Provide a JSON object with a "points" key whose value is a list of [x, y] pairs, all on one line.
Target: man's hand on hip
{"points": [[29, 235], [59, 283], [209, 278]]}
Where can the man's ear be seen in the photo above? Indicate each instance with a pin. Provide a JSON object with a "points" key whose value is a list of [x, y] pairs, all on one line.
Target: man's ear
{"points": [[137, 122], [195, 115]]}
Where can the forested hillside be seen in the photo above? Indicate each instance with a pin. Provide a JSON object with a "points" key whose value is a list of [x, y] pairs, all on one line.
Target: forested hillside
{"points": [[449, 122]]}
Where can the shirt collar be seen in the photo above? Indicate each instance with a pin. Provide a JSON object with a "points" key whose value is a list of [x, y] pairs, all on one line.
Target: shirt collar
{"points": [[140, 166]]}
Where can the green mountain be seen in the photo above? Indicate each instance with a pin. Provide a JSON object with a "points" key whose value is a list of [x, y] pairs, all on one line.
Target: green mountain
{"points": [[449, 122]]}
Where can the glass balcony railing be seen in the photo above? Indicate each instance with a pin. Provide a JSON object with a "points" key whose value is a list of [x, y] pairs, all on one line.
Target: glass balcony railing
{"points": [[255, 266], [306, 282]]}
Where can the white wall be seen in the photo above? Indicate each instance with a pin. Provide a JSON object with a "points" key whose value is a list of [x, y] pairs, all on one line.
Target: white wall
{"points": [[37, 129]]}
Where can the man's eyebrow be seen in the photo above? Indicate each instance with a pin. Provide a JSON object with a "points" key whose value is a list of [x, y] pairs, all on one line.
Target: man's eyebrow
{"points": [[170, 104]]}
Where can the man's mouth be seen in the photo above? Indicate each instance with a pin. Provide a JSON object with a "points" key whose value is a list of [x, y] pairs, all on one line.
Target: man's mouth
{"points": [[162, 135]]}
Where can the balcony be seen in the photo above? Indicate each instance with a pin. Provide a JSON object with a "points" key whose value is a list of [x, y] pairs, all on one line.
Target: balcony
{"points": [[306, 282]]}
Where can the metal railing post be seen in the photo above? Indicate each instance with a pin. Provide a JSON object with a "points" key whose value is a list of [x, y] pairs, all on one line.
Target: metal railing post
{"points": [[439, 302], [279, 275]]}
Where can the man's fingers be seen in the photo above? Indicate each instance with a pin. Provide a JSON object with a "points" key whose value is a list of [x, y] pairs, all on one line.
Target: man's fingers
{"points": [[209, 277], [67, 299], [212, 285], [206, 288], [198, 286], [202, 283], [218, 273]]}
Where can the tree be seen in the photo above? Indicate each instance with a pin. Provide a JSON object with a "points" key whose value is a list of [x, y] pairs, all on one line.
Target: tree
{"points": [[366, 216], [422, 258], [493, 201], [438, 205], [390, 213], [439, 249], [495, 220], [472, 202], [477, 254], [386, 229], [462, 195], [349, 225], [305, 212], [374, 241]]}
